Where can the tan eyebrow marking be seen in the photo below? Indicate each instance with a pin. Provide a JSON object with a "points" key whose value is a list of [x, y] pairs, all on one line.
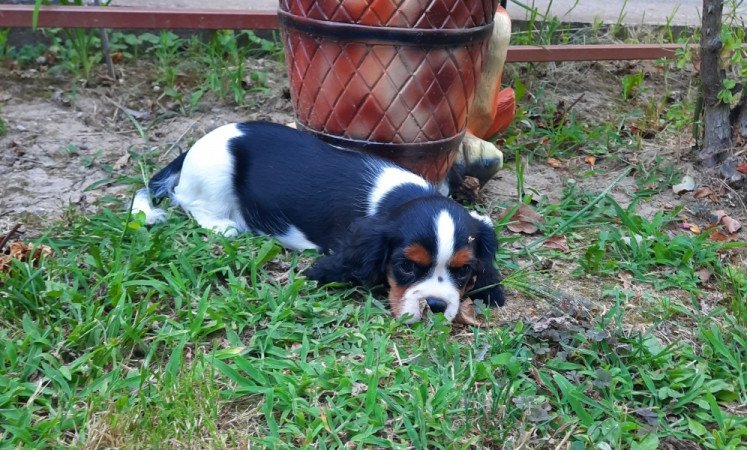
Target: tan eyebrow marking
{"points": [[461, 257], [418, 254]]}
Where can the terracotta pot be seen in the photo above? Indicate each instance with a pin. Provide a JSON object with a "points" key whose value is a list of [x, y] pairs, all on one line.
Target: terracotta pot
{"points": [[392, 80]]}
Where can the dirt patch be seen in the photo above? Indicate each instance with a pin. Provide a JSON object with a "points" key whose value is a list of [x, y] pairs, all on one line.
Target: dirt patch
{"points": [[65, 141]]}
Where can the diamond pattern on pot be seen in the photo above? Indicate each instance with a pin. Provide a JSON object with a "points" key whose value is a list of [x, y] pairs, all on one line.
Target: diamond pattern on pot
{"points": [[381, 93], [437, 14]]}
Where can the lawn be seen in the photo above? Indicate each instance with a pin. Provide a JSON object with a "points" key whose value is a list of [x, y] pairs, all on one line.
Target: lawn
{"points": [[127, 336], [627, 318]]}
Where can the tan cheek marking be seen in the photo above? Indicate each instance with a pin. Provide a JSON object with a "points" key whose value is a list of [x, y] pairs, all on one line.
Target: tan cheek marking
{"points": [[396, 294], [461, 257], [418, 254]]}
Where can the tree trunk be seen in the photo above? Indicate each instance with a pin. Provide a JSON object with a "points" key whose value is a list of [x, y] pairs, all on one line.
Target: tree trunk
{"points": [[717, 127]]}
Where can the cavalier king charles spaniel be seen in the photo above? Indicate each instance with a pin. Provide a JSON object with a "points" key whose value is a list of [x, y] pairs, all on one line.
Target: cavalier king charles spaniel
{"points": [[374, 221]]}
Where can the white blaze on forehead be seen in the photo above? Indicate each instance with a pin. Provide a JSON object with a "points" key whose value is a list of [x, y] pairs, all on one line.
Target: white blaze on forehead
{"points": [[389, 179], [439, 283], [444, 239]]}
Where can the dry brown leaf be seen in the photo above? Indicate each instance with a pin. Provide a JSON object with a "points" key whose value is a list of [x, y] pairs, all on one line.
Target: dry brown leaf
{"points": [[122, 161], [466, 314], [625, 278], [524, 220], [716, 216], [522, 227], [742, 167], [558, 243], [554, 163], [28, 252], [731, 225], [718, 236], [705, 192], [704, 275]]}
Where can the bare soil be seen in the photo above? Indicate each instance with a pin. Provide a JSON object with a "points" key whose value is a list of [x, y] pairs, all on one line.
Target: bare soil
{"points": [[68, 142], [63, 137]]}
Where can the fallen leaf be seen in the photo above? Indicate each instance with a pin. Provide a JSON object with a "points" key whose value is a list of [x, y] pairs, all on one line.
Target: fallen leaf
{"points": [[558, 243], [466, 314], [686, 185], [554, 163], [524, 220], [625, 278], [705, 192], [704, 275], [690, 227], [731, 225], [718, 236], [23, 252], [122, 161], [4, 263], [591, 160], [742, 167], [716, 216]]}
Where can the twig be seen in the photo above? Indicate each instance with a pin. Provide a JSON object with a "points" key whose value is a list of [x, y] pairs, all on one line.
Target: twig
{"points": [[179, 139], [105, 48], [10, 234], [736, 194], [570, 107], [565, 438]]}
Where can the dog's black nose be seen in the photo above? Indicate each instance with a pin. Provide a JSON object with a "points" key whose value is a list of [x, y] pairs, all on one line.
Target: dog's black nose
{"points": [[436, 304]]}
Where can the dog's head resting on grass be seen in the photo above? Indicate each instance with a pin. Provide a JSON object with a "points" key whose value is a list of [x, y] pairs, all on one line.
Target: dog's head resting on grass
{"points": [[375, 222]]}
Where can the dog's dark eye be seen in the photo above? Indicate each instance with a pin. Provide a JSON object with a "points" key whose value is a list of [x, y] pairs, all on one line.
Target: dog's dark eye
{"points": [[407, 268], [462, 274]]}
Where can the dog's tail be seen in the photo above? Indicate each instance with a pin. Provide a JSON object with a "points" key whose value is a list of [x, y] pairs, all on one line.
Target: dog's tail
{"points": [[161, 185]]}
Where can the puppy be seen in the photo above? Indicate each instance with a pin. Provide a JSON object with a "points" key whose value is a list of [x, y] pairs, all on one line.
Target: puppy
{"points": [[374, 221]]}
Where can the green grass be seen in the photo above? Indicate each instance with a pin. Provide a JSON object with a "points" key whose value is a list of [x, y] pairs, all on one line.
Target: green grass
{"points": [[132, 336], [185, 68], [140, 337]]}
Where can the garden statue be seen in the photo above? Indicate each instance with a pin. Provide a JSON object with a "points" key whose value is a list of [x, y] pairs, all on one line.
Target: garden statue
{"points": [[417, 83]]}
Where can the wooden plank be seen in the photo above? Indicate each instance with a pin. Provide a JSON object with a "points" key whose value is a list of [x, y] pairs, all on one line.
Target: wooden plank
{"points": [[602, 52], [20, 16]]}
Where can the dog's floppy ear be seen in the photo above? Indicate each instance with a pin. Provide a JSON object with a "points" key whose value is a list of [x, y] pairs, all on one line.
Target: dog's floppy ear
{"points": [[361, 258], [487, 277]]}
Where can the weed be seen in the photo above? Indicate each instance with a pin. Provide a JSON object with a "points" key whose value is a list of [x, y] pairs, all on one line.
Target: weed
{"points": [[167, 52], [644, 248], [653, 179], [632, 85], [4, 33], [735, 285], [27, 54], [3, 126], [541, 28], [552, 132]]}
